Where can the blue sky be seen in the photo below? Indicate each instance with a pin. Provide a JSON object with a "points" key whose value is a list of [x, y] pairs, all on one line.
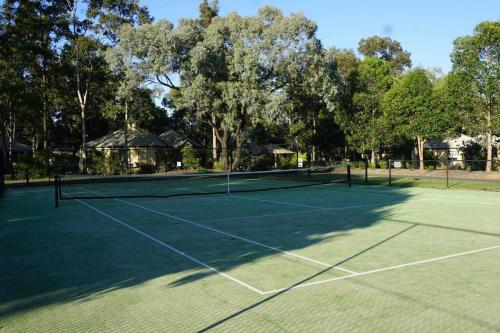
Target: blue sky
{"points": [[426, 28]]}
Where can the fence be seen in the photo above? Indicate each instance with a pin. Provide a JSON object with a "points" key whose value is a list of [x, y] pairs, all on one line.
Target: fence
{"points": [[454, 174]]}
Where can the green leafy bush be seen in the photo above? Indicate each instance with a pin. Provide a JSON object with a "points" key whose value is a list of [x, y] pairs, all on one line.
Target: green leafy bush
{"points": [[146, 168], [294, 162], [219, 166], [190, 160], [383, 164], [261, 163]]}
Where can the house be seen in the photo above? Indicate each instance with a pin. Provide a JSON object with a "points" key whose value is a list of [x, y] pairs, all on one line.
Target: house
{"points": [[174, 140], [143, 149], [453, 148], [15, 147], [273, 149]]}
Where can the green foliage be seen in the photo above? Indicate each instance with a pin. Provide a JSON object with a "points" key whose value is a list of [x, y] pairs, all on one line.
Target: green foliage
{"points": [[107, 163], [383, 164], [262, 163], [219, 166], [408, 107], [190, 158], [473, 151], [366, 127], [294, 161], [475, 80], [386, 49]]}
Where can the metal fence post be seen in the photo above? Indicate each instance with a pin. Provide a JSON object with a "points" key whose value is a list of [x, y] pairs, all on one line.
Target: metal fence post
{"points": [[366, 171], [349, 175], [447, 172], [56, 190], [390, 172]]}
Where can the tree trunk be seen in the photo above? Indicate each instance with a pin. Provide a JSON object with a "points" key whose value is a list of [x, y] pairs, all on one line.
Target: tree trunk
{"points": [[373, 159], [225, 152], [44, 112], [223, 139], [125, 132], [489, 135], [237, 157], [420, 146], [214, 145], [315, 148], [83, 155]]}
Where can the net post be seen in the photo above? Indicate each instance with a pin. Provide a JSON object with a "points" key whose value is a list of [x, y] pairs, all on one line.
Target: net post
{"points": [[27, 176], [228, 183], [390, 172], [309, 172], [56, 190], [349, 175]]}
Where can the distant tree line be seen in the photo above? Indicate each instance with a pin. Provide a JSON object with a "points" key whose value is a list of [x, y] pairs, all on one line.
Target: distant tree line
{"points": [[73, 70]]}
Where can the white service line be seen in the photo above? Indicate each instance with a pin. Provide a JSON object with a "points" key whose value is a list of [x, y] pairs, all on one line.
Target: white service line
{"points": [[236, 236], [384, 269], [185, 255]]}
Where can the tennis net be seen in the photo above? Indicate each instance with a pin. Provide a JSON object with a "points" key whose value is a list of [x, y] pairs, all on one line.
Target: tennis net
{"points": [[142, 186]]}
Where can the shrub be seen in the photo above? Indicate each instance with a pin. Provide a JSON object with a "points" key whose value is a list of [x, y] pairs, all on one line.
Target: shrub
{"points": [[219, 166], [372, 165], [147, 168], [114, 163], [285, 162], [190, 160], [383, 164], [294, 162], [261, 163]]}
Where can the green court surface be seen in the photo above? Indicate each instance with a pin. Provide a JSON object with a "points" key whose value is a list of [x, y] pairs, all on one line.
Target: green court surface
{"points": [[314, 259]]}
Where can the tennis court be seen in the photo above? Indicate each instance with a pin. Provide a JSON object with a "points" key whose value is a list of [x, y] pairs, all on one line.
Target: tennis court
{"points": [[318, 257]]}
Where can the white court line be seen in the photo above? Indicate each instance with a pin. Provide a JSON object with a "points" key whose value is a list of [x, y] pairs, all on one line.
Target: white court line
{"points": [[459, 201], [384, 269], [238, 237], [185, 255], [263, 215], [378, 193], [321, 208]]}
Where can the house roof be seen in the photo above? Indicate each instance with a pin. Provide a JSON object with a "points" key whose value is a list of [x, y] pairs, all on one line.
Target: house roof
{"points": [[136, 138], [16, 146], [270, 148], [173, 139]]}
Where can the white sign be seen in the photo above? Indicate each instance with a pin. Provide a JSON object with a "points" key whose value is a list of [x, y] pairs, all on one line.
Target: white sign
{"points": [[397, 164], [300, 162], [179, 164]]}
